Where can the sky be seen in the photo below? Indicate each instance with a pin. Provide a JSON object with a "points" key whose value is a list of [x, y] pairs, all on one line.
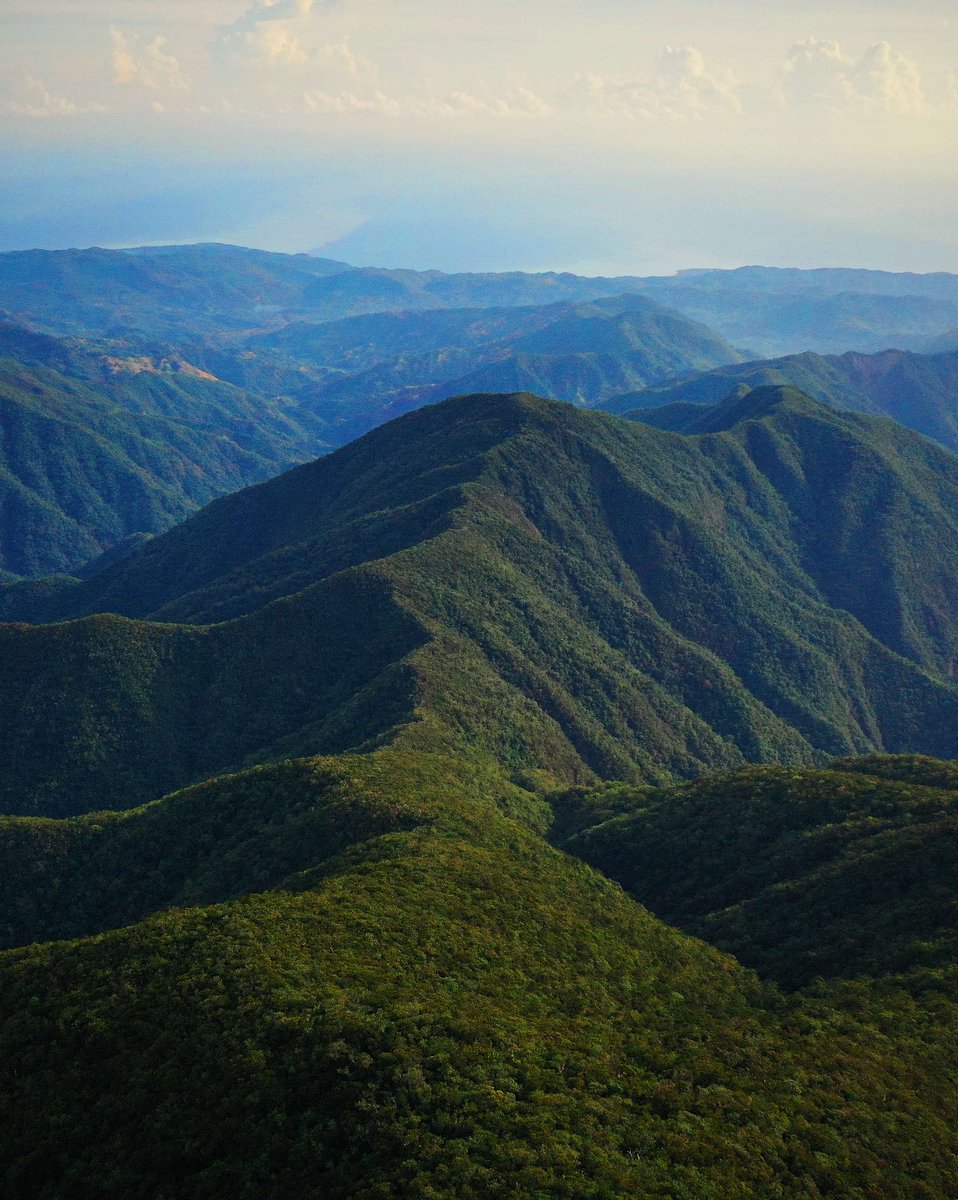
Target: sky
{"points": [[596, 136]]}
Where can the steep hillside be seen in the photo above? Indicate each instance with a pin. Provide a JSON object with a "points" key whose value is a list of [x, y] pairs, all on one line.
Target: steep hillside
{"points": [[917, 390], [642, 605], [86, 460], [126, 435]]}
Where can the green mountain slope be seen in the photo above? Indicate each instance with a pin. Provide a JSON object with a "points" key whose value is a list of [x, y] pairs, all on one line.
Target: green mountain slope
{"points": [[450, 1010], [917, 390], [89, 455], [642, 605]]}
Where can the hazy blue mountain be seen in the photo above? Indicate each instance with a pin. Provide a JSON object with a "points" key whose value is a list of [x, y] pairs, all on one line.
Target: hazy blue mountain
{"points": [[221, 291]]}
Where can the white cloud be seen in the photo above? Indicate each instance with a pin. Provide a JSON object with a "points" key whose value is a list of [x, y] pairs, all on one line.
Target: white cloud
{"points": [[34, 99], [270, 43], [267, 32], [681, 86], [143, 63], [317, 101], [341, 56], [519, 102], [819, 74]]}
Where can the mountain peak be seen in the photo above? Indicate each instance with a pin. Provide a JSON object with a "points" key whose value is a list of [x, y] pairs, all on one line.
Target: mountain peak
{"points": [[745, 403]]}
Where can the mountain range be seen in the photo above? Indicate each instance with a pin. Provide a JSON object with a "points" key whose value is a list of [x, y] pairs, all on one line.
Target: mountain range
{"points": [[218, 291], [519, 799], [137, 385], [295, 881], [104, 441], [917, 390]]}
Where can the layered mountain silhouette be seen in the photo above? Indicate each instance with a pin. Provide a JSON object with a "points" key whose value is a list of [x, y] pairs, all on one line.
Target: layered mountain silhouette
{"points": [[105, 440], [328, 812], [219, 291]]}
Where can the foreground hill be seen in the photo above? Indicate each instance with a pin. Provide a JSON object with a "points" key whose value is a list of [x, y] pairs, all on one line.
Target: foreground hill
{"points": [[446, 1008], [917, 390]]}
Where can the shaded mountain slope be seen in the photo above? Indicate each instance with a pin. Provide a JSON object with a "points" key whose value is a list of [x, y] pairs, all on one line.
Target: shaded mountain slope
{"points": [[800, 874], [561, 589], [917, 390]]}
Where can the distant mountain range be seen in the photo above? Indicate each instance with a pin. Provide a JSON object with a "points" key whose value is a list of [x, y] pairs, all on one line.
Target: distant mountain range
{"points": [[213, 292]]}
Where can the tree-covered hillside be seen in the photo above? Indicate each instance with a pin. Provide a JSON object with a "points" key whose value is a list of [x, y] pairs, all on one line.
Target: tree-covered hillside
{"points": [[318, 806], [845, 872], [917, 390], [446, 1008], [125, 436], [641, 604], [95, 448]]}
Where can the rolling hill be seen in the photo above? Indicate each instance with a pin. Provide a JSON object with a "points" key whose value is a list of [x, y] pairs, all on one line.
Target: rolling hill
{"points": [[846, 872]]}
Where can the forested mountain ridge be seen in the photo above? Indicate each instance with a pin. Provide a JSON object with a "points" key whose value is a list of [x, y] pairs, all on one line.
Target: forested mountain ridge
{"points": [[322, 946], [629, 597]]}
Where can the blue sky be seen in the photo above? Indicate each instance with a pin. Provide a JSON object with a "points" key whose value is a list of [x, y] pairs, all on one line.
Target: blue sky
{"points": [[608, 136]]}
